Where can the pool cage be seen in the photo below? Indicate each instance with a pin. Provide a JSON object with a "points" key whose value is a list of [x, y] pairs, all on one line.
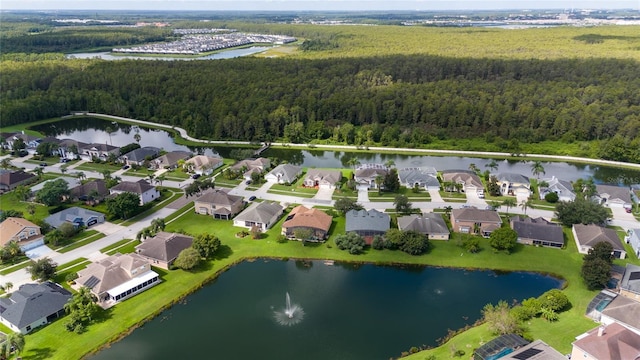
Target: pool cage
{"points": [[499, 347]]}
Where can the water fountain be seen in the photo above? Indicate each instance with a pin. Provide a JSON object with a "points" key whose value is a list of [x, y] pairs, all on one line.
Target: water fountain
{"points": [[290, 315]]}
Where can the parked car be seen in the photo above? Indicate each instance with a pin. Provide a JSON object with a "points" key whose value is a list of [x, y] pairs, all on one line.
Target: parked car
{"points": [[125, 167], [248, 182], [43, 164], [195, 176], [251, 198]]}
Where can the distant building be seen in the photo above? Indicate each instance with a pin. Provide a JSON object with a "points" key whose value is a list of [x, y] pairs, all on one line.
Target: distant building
{"points": [[203, 165], [140, 155], [76, 216], [562, 188], [467, 179], [169, 160], [366, 175], [9, 180], [323, 179]]}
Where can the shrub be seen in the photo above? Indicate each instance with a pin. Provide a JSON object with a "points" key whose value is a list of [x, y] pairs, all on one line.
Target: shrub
{"points": [[554, 299], [551, 197], [281, 239], [378, 242]]}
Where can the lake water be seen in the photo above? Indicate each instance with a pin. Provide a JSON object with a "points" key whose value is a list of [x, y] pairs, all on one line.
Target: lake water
{"points": [[351, 311], [101, 131], [226, 54]]}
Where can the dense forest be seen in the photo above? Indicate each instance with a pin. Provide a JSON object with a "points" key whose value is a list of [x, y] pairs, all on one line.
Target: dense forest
{"points": [[404, 100]]}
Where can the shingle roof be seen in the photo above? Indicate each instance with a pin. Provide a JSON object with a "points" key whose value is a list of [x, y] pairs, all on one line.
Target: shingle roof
{"points": [[9, 178], [428, 223], [202, 161], [251, 164], [301, 216], [416, 175], [330, 176], [66, 143], [512, 178], [164, 246], [140, 154], [138, 187], [537, 350], [615, 192], [100, 147], [590, 235], [631, 279], [462, 176], [70, 214], [172, 158], [32, 302], [371, 172], [86, 188], [219, 197], [476, 215], [361, 220], [624, 310], [285, 172], [617, 342], [11, 226], [260, 212], [110, 272], [538, 229]]}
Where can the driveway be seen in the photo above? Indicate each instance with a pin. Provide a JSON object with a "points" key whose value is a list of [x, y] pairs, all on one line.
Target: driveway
{"points": [[40, 251], [363, 196], [620, 213], [108, 228], [324, 194], [472, 198]]}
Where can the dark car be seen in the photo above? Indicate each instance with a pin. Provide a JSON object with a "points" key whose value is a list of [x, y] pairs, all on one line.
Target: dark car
{"points": [[251, 198], [248, 182], [195, 176], [125, 167], [43, 164]]}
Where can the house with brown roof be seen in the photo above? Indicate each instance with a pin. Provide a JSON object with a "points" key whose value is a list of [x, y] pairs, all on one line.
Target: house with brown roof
{"points": [[203, 165], [468, 179], [538, 232], [472, 220], [250, 166], [117, 278], [612, 342], [21, 231], [163, 249], [586, 236], [219, 204], [94, 190], [145, 191], [9, 180], [169, 160], [322, 178], [313, 220], [100, 151]]}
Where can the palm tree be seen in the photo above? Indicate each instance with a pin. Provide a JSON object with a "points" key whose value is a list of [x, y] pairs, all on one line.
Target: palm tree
{"points": [[38, 172], [109, 130], [31, 208], [525, 205], [537, 168], [80, 175], [160, 179], [151, 176], [379, 180], [474, 168], [447, 210], [8, 286], [390, 163], [509, 203], [13, 343], [5, 163], [137, 138], [106, 174], [493, 165], [353, 162]]}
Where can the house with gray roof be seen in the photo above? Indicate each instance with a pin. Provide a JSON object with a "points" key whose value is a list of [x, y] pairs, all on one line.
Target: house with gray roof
{"points": [[33, 305], [76, 216], [284, 174], [538, 232], [250, 166], [367, 223], [623, 311], [145, 191], [169, 160], [100, 151], [537, 350], [586, 236], [513, 184], [633, 239], [430, 224], [365, 175], [139, 156], [417, 177], [322, 178], [614, 196], [9, 180], [562, 188], [472, 220], [69, 148], [219, 204], [163, 249], [203, 165], [630, 283], [259, 214]]}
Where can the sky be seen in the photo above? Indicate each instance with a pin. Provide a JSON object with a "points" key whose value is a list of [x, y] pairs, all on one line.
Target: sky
{"points": [[344, 5]]}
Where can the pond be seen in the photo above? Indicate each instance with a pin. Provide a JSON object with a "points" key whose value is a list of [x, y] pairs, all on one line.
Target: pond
{"points": [[102, 131], [350, 311], [227, 54]]}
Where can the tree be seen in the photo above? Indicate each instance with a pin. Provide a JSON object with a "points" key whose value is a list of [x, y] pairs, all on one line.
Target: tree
{"points": [[414, 243], [54, 237], [525, 205], [160, 178], [45, 148], [82, 310], [38, 171], [509, 203], [22, 192], [353, 162], [5, 163], [492, 186], [580, 211], [344, 204], [537, 168], [188, 259], [350, 241], [63, 169], [137, 137], [584, 189], [106, 174], [391, 181], [601, 250], [492, 165], [81, 175], [123, 205], [206, 245], [471, 244], [504, 238], [447, 210], [379, 180], [303, 234], [67, 229], [8, 286], [402, 204], [596, 273], [500, 319], [14, 343], [393, 239], [43, 269], [18, 144], [378, 242], [53, 192], [554, 299], [551, 197], [474, 168], [390, 163]]}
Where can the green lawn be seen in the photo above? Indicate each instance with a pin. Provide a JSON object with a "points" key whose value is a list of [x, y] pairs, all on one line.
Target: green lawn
{"points": [[81, 239], [24, 262], [167, 196], [374, 195], [99, 167], [125, 246]]}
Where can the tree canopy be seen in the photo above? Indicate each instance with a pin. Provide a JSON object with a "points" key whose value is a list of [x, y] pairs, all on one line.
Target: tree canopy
{"points": [[580, 211], [52, 192], [42, 269]]}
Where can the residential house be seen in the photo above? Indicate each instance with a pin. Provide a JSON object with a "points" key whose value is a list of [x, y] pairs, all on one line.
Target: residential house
{"points": [[562, 188], [261, 215], [467, 179], [430, 224], [203, 165], [76, 216], [71, 183], [22, 231], [538, 232], [250, 166], [614, 196], [70, 149], [586, 236], [139, 156], [366, 175], [633, 239], [163, 249], [367, 223], [611, 342], [145, 191], [630, 283], [117, 277], [623, 311], [314, 220], [49, 139], [418, 178], [472, 220], [94, 190], [284, 174], [9, 180], [169, 160], [537, 350], [30, 141], [33, 305], [323, 179], [514, 184], [219, 204], [98, 151]]}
